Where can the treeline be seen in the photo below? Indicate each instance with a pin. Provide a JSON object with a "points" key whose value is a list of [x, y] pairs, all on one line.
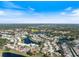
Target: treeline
{"points": [[44, 26]]}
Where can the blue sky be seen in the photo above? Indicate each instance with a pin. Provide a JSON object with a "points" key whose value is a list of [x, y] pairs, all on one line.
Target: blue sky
{"points": [[39, 12]]}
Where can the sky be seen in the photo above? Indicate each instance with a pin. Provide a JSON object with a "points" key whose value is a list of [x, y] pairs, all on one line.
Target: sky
{"points": [[39, 12]]}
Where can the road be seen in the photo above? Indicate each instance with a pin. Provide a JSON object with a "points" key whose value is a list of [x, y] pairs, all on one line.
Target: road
{"points": [[73, 52], [70, 47]]}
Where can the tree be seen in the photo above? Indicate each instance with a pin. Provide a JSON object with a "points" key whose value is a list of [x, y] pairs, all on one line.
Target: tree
{"points": [[3, 42]]}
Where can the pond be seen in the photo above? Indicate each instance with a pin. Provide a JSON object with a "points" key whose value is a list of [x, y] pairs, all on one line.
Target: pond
{"points": [[8, 54], [28, 40]]}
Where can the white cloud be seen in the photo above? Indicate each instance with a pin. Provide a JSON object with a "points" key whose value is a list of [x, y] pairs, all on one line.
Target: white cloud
{"points": [[2, 12], [11, 13], [32, 9], [68, 9], [17, 16], [63, 13], [8, 4], [75, 12], [70, 12], [39, 19]]}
